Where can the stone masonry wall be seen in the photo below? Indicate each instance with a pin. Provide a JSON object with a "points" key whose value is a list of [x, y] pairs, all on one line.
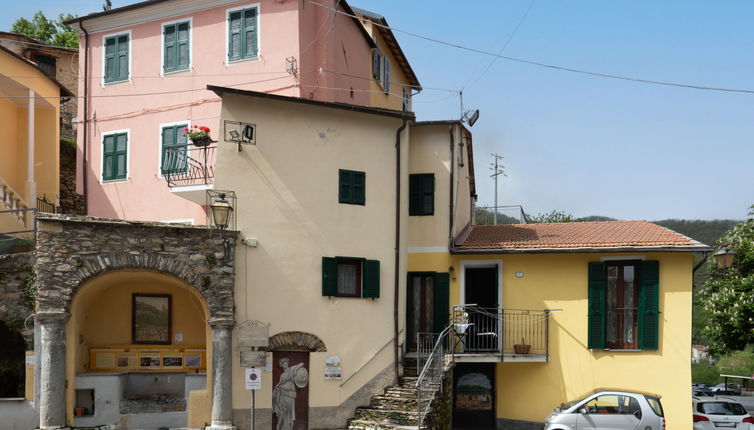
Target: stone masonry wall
{"points": [[73, 249], [17, 290]]}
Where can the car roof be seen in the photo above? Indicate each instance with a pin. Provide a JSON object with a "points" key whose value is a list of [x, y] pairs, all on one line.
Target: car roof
{"points": [[618, 390]]}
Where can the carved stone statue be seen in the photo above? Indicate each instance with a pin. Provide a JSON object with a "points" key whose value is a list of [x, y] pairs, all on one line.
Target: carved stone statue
{"points": [[284, 393]]}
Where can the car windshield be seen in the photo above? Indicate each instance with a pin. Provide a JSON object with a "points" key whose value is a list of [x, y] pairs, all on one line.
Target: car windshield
{"points": [[720, 408], [655, 404]]}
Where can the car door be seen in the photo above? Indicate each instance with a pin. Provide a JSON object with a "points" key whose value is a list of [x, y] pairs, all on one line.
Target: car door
{"points": [[609, 412]]}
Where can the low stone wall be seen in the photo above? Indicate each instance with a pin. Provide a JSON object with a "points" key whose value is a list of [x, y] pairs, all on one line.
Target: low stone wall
{"points": [[18, 293]]}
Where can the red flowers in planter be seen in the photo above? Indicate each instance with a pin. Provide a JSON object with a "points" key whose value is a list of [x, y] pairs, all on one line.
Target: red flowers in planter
{"points": [[197, 133]]}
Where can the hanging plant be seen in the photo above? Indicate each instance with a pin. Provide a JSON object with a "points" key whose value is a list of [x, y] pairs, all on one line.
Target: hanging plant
{"points": [[198, 135]]}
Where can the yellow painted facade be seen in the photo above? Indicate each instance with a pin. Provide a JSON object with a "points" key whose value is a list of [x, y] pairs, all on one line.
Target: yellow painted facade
{"points": [[392, 98], [529, 391], [17, 77]]}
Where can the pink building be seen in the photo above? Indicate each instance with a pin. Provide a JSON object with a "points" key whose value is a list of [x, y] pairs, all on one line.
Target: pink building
{"points": [[144, 70]]}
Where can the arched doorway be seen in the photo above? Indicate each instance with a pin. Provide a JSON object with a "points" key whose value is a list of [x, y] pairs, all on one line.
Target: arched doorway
{"points": [[290, 376]]}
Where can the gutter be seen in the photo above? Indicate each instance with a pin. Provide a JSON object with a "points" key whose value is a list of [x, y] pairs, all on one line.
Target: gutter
{"points": [[452, 179], [85, 143], [455, 250], [396, 270]]}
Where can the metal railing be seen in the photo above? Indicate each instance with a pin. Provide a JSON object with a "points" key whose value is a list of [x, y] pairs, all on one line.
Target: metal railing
{"points": [[433, 367], [512, 214], [186, 165], [500, 331], [46, 206]]}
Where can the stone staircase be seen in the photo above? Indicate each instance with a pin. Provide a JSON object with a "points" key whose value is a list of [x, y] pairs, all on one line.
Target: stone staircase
{"points": [[396, 408]]}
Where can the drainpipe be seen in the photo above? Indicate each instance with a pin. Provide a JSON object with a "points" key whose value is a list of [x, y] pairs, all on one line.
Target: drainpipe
{"points": [[452, 180], [84, 152], [396, 292]]}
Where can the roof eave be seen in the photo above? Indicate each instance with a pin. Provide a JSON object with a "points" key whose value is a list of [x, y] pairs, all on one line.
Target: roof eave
{"points": [[571, 250]]}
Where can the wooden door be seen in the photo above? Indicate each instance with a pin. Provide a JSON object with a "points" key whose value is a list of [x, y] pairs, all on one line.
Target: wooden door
{"points": [[290, 390]]}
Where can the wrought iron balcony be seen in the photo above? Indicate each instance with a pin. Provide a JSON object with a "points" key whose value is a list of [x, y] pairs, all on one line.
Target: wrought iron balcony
{"points": [[189, 165]]}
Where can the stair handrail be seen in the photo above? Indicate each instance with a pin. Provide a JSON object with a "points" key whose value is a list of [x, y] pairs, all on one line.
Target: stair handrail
{"points": [[429, 381]]}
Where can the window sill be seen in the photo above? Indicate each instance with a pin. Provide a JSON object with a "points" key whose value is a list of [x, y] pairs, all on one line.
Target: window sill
{"points": [[177, 71], [113, 181], [241, 60], [622, 350], [124, 81]]}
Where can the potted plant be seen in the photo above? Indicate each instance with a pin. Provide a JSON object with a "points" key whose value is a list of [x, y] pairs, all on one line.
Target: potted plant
{"points": [[522, 348], [198, 135], [79, 411]]}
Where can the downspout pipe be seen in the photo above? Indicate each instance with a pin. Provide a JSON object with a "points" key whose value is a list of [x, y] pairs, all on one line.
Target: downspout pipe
{"points": [[397, 289], [84, 151], [705, 256], [451, 205]]}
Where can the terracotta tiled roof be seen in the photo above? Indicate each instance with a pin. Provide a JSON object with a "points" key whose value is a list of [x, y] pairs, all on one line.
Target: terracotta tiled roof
{"points": [[573, 235]]}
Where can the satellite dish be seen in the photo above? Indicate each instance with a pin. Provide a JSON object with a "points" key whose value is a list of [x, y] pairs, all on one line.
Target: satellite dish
{"points": [[472, 119]]}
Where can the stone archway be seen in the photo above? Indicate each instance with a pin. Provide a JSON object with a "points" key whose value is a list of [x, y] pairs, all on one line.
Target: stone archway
{"points": [[296, 341], [72, 250]]}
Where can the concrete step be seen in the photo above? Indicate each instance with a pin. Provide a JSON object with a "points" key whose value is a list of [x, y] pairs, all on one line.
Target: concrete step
{"points": [[387, 416]]}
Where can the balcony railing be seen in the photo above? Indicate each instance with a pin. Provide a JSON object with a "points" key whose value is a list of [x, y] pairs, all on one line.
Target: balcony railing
{"points": [[188, 165], [46, 206], [499, 331]]}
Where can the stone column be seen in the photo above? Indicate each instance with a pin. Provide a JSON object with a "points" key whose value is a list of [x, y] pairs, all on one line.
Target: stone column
{"points": [[52, 370], [222, 359]]}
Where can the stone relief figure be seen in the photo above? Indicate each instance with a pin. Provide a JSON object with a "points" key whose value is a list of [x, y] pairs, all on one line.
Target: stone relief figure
{"points": [[284, 393]]}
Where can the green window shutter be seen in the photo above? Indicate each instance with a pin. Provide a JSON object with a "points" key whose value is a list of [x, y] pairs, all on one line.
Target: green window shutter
{"points": [[114, 156], [121, 156], [359, 187], [122, 61], [250, 33], [597, 289], [234, 36], [649, 304], [441, 303], [376, 63], [110, 50], [345, 189], [174, 149], [428, 194], [170, 42], [386, 84], [371, 280], [329, 276], [182, 52], [108, 147], [414, 195]]}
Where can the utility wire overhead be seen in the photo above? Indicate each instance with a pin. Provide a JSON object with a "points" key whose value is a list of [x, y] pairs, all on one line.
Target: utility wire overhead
{"points": [[546, 65]]}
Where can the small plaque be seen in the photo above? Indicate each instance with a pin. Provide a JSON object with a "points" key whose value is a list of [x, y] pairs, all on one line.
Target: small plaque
{"points": [[253, 335], [253, 358]]}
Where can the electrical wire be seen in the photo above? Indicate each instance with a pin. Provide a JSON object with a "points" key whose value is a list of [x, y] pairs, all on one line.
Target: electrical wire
{"points": [[546, 65], [505, 45]]}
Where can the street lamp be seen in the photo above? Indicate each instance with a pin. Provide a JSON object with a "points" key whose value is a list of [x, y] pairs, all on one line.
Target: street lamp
{"points": [[724, 257], [221, 213]]}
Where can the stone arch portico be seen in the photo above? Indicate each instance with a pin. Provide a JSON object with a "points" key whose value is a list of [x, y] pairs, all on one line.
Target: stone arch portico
{"points": [[72, 250]]}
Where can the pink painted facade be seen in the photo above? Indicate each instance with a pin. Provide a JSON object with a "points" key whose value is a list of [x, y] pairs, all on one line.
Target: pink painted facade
{"points": [[333, 55]]}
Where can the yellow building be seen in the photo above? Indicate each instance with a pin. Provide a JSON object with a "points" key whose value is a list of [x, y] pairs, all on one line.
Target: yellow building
{"points": [[29, 167], [544, 313]]}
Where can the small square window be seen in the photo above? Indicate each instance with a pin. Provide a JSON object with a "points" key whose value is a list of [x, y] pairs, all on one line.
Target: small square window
{"points": [[421, 193], [350, 277], [351, 187]]}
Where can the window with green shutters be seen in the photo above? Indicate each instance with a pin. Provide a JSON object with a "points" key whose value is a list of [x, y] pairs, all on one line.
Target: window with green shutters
{"points": [[624, 299], [350, 277], [176, 52], [174, 149], [116, 58], [351, 187], [114, 156], [242, 34], [421, 194]]}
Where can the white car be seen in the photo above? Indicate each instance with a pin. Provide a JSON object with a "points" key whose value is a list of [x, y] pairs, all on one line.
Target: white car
{"points": [[609, 409], [720, 413]]}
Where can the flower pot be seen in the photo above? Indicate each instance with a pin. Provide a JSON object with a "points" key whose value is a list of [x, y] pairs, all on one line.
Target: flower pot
{"points": [[202, 142], [522, 348], [79, 412]]}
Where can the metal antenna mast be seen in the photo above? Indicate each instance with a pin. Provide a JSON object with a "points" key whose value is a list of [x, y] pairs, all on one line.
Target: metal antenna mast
{"points": [[497, 170]]}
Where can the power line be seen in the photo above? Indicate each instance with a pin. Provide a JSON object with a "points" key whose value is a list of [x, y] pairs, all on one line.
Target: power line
{"points": [[505, 45], [546, 65]]}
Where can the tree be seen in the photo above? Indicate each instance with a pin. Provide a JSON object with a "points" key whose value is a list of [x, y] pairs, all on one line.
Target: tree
{"points": [[48, 31], [552, 216], [728, 294]]}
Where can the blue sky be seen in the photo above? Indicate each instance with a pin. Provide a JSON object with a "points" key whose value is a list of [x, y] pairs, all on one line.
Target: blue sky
{"points": [[582, 144]]}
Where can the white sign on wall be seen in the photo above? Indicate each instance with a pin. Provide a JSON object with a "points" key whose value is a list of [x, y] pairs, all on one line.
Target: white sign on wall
{"points": [[333, 369], [253, 378]]}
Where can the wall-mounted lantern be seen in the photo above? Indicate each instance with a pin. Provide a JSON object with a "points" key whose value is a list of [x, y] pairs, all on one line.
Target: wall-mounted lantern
{"points": [[222, 207], [724, 257]]}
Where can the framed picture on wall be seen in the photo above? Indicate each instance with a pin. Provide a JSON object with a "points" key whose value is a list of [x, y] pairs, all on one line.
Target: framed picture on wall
{"points": [[151, 316]]}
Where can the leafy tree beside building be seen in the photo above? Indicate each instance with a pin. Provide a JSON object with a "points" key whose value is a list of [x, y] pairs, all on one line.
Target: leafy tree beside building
{"points": [[52, 32], [728, 294]]}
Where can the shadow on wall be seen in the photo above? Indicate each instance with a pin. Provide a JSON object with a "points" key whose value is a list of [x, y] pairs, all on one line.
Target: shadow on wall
{"points": [[12, 361]]}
